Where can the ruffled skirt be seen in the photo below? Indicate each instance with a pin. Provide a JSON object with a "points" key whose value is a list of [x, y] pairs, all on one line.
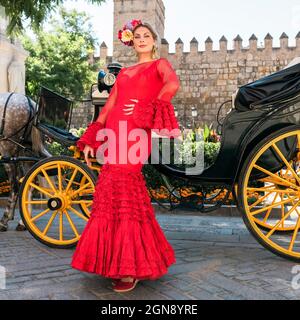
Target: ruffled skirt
{"points": [[122, 236]]}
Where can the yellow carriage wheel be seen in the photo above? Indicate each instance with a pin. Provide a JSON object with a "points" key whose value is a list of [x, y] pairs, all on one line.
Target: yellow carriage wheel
{"points": [[52, 194], [259, 193], [271, 172]]}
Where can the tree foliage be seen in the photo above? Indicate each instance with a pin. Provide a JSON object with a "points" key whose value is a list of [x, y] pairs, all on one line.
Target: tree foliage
{"points": [[36, 11], [58, 58]]}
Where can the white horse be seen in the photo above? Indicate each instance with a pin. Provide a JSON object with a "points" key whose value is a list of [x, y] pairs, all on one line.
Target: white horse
{"points": [[18, 137]]}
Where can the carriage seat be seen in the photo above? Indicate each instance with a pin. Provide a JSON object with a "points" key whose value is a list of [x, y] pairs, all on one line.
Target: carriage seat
{"points": [[60, 135], [281, 85]]}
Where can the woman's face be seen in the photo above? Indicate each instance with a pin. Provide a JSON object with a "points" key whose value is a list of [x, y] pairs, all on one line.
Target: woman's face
{"points": [[143, 40]]}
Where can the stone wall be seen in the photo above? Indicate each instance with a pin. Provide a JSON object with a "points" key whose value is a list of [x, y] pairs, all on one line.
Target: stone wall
{"points": [[209, 77]]}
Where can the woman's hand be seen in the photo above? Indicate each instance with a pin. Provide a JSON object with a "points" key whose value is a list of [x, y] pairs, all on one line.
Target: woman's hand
{"points": [[131, 107], [87, 149]]}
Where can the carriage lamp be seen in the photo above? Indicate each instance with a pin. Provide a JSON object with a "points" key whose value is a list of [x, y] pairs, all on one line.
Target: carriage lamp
{"points": [[106, 80], [109, 79]]}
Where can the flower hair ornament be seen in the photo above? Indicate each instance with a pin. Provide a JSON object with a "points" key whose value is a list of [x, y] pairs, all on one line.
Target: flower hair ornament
{"points": [[126, 35]]}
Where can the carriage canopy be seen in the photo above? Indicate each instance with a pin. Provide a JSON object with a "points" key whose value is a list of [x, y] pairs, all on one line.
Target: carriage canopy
{"points": [[281, 85]]}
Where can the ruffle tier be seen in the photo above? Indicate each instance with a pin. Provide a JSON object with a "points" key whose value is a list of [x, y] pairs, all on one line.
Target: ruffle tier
{"points": [[122, 236]]}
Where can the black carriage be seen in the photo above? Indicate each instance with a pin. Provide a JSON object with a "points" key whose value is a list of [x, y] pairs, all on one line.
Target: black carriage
{"points": [[257, 163]]}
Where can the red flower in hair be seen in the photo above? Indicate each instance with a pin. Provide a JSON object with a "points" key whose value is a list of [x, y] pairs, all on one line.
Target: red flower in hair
{"points": [[125, 35]]}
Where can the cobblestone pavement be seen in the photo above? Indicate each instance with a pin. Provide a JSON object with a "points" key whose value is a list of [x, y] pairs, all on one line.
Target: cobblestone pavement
{"points": [[217, 258]]}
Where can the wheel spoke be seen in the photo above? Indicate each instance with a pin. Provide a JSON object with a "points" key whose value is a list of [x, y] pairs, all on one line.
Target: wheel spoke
{"points": [[294, 234], [59, 177], [282, 214], [283, 182], [72, 224], [81, 202], [78, 213], [271, 206], [40, 215], [286, 162], [281, 220], [272, 180], [87, 191], [270, 209], [273, 190], [49, 222], [71, 179], [48, 180], [82, 188], [259, 200], [35, 201], [33, 185], [61, 226]]}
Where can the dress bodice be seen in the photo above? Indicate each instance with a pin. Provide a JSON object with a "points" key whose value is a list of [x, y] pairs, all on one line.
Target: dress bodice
{"points": [[146, 81], [138, 82]]}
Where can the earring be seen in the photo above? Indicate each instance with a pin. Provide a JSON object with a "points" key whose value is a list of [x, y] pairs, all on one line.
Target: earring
{"points": [[154, 51]]}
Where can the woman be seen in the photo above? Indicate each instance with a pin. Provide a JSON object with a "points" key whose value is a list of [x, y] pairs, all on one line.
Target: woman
{"points": [[122, 239]]}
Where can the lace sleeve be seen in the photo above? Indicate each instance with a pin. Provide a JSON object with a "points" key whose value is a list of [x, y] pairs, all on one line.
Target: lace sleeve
{"points": [[159, 113], [89, 136], [169, 78]]}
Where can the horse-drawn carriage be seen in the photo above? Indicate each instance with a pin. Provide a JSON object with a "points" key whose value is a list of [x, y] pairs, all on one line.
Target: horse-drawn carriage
{"points": [[258, 162]]}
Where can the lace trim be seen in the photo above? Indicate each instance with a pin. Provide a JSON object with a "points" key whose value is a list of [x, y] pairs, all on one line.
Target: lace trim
{"points": [[158, 115], [89, 136]]}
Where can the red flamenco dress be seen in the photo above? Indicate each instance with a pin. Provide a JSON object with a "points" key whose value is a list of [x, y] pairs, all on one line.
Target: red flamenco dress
{"points": [[122, 236]]}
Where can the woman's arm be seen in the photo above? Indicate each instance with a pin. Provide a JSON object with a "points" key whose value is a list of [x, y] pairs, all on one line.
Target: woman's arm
{"points": [[89, 136], [159, 112], [169, 78]]}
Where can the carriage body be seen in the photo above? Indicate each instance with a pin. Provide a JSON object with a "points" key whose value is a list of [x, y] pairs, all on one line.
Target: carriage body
{"points": [[241, 132], [270, 104]]}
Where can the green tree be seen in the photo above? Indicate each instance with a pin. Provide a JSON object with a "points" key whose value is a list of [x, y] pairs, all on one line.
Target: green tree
{"points": [[36, 11], [58, 58]]}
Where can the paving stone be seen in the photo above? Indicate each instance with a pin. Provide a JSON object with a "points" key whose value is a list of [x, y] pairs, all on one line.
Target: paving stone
{"points": [[18, 279], [236, 287], [37, 283], [84, 295], [114, 296], [204, 295], [61, 296], [175, 294]]}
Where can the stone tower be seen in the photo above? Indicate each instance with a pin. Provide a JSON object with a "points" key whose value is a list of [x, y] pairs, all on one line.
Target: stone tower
{"points": [[151, 11]]}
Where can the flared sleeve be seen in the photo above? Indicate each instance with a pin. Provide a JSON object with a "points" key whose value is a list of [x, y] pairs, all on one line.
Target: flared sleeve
{"points": [[158, 114], [89, 136]]}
